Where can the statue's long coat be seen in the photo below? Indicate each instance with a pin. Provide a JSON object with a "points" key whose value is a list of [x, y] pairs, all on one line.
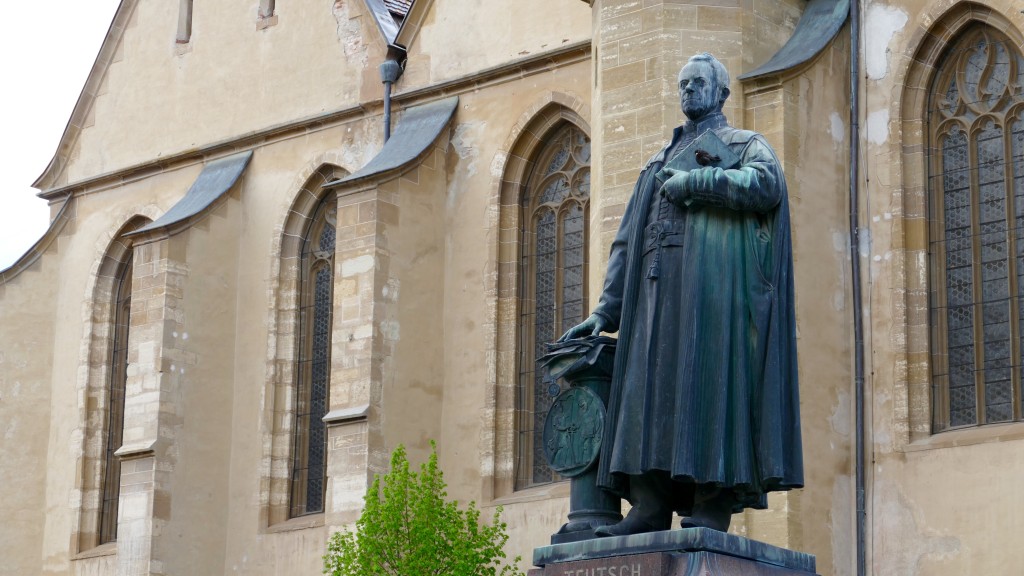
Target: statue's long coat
{"points": [[705, 379]]}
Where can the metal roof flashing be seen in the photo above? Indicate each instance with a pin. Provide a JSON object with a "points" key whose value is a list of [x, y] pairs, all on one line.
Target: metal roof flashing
{"points": [[419, 128], [819, 24], [385, 21], [217, 177]]}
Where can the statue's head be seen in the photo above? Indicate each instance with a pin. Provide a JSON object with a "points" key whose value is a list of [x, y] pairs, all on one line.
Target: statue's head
{"points": [[703, 86]]}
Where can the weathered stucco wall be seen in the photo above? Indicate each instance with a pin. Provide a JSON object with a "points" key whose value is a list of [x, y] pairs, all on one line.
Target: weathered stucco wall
{"points": [[98, 218], [227, 265], [819, 517], [477, 417], [159, 98], [938, 503], [25, 375], [457, 38], [419, 334]]}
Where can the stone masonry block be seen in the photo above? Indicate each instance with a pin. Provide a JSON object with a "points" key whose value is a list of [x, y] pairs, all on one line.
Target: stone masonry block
{"points": [[717, 18], [613, 9], [645, 45], [367, 211], [608, 55], [630, 99], [619, 127], [624, 75], [723, 44], [622, 27], [622, 156], [669, 17]]}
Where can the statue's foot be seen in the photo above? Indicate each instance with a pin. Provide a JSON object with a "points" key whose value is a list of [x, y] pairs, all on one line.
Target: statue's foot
{"points": [[633, 523], [715, 514], [722, 525]]}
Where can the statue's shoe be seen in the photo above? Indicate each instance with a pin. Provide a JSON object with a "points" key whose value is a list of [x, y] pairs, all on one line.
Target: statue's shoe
{"points": [[718, 522], [631, 524]]}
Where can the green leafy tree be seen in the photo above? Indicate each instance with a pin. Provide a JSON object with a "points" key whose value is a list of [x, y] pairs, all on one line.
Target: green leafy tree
{"points": [[408, 528]]}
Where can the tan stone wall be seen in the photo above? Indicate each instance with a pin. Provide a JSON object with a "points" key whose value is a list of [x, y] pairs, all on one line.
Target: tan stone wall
{"points": [[427, 314], [153, 83], [77, 321], [423, 334], [200, 404], [459, 38], [938, 503], [805, 119], [411, 217], [26, 368]]}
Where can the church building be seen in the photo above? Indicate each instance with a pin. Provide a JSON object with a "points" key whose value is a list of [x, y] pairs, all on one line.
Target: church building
{"points": [[288, 236]]}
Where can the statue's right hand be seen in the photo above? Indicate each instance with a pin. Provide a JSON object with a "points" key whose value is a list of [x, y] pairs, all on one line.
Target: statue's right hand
{"points": [[592, 326]]}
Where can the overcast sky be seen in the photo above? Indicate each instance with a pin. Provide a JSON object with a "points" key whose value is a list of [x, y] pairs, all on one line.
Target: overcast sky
{"points": [[49, 49]]}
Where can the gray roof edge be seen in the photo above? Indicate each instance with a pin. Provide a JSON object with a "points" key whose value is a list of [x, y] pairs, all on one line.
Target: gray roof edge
{"points": [[36, 251], [819, 24], [419, 128], [216, 178]]}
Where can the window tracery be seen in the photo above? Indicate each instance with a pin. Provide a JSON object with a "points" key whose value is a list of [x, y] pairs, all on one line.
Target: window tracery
{"points": [[976, 126], [553, 271]]}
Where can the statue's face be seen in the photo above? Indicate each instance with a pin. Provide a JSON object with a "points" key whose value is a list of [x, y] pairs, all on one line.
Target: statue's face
{"points": [[699, 94]]}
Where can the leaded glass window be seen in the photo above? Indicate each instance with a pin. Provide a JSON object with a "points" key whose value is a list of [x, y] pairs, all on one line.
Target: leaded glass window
{"points": [[111, 479], [316, 278], [553, 290], [976, 130]]}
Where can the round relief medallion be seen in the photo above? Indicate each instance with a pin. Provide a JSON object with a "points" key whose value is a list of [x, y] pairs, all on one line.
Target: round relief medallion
{"points": [[573, 431]]}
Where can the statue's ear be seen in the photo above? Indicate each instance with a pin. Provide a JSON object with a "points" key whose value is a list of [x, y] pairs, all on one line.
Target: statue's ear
{"points": [[724, 95]]}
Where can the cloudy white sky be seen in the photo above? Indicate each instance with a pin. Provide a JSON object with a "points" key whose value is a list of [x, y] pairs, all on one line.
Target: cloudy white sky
{"points": [[49, 49]]}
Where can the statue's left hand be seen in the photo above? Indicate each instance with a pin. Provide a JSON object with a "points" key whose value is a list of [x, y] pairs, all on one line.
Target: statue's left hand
{"points": [[676, 187], [592, 326]]}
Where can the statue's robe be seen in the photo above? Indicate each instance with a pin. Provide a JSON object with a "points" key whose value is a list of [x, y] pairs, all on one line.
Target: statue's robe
{"points": [[705, 379]]}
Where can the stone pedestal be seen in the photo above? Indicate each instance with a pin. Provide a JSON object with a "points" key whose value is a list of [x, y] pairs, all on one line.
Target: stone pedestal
{"points": [[692, 551]]}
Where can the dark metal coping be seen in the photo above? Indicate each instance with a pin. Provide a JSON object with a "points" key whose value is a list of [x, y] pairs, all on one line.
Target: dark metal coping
{"points": [[64, 215], [385, 21], [213, 182], [686, 540], [819, 24], [417, 130]]}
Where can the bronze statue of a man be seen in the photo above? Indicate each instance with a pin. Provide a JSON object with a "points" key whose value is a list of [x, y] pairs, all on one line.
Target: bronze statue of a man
{"points": [[703, 417]]}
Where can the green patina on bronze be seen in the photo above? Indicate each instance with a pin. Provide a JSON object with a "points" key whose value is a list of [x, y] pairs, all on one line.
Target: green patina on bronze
{"points": [[703, 409]]}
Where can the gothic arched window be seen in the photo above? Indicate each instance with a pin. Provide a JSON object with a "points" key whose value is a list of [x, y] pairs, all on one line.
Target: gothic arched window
{"points": [[976, 130], [111, 476], [313, 361], [553, 273]]}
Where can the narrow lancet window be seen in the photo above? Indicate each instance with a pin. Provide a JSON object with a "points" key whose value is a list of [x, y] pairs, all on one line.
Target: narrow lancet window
{"points": [[553, 271], [313, 372], [111, 480]]}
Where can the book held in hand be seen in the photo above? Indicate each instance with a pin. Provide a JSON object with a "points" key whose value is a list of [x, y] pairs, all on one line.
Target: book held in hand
{"points": [[706, 150]]}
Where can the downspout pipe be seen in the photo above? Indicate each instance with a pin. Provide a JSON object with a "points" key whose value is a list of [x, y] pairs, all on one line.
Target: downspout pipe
{"points": [[858, 318], [390, 71]]}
